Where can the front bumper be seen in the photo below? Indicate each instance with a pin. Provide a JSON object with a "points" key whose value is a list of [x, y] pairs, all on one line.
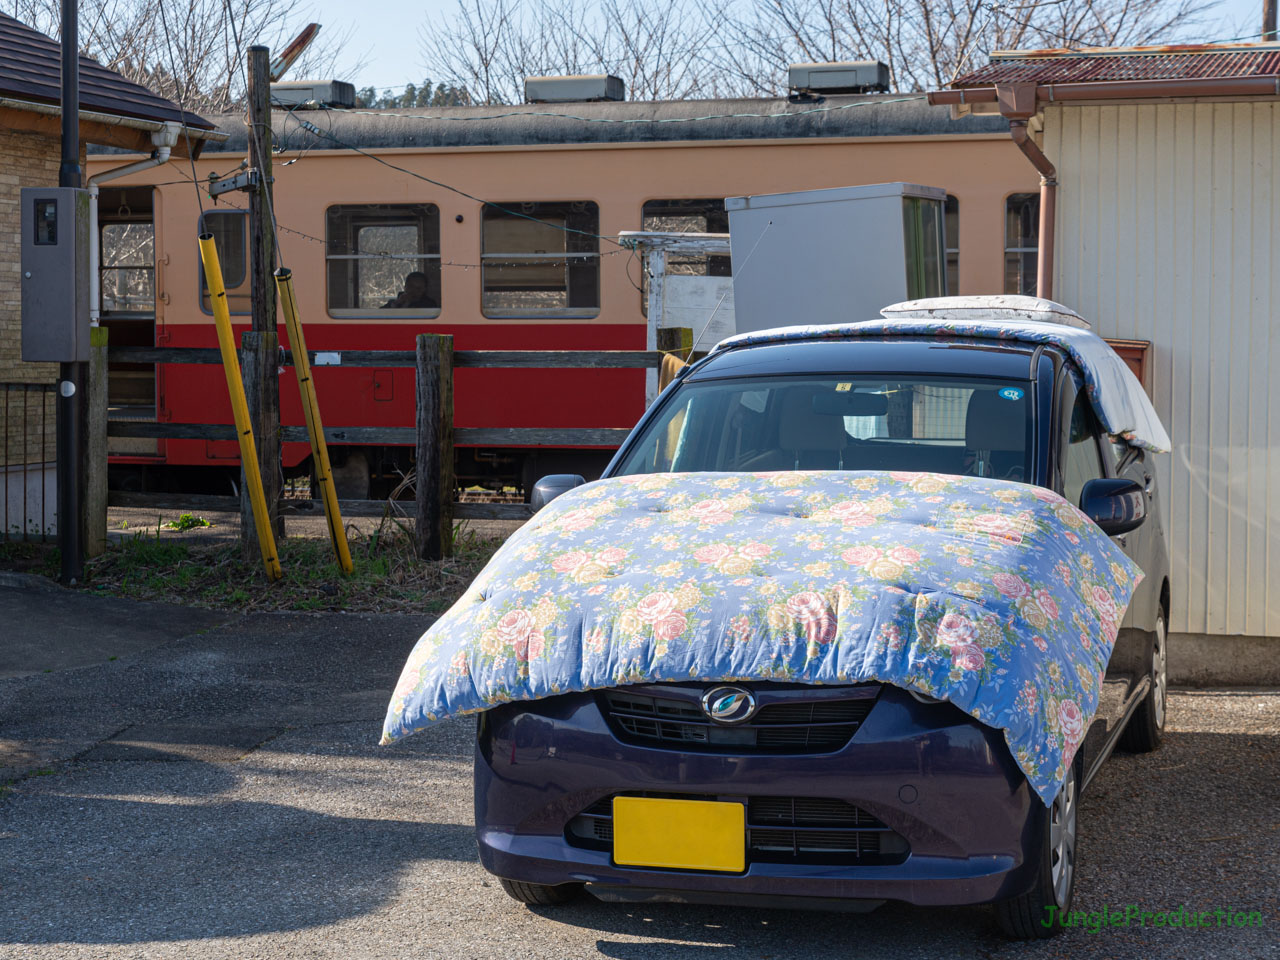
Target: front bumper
{"points": [[939, 779]]}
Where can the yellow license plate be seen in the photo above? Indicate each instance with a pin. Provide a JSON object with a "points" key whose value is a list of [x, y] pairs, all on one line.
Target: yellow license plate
{"points": [[679, 834]]}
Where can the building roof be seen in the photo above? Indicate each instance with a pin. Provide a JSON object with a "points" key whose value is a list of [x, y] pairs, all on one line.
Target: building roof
{"points": [[31, 70], [609, 122], [1119, 64]]}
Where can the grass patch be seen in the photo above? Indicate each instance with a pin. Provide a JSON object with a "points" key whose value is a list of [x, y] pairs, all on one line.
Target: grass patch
{"points": [[188, 521], [388, 576]]}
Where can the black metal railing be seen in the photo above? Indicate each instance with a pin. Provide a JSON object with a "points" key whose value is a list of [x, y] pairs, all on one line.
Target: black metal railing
{"points": [[28, 489]]}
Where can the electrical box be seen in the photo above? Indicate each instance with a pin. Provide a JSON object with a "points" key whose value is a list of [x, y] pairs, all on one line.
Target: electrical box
{"points": [[835, 256], [55, 274]]}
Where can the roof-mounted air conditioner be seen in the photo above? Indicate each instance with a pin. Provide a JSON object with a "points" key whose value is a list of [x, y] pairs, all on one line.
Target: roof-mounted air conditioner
{"points": [[854, 76], [574, 89], [296, 94]]}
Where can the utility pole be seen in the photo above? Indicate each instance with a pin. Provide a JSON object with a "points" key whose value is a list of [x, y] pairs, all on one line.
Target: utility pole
{"points": [[71, 376], [1268, 19], [261, 366]]}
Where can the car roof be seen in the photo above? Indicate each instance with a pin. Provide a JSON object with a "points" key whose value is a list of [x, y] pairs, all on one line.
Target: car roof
{"points": [[1005, 360]]}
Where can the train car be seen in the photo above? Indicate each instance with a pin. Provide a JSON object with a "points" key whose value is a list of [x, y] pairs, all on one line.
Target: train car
{"points": [[498, 225]]}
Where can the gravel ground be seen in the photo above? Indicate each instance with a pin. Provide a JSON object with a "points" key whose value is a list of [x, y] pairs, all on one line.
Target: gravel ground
{"points": [[266, 823]]}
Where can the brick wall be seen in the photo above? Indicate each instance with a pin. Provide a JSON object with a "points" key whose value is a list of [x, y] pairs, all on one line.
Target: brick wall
{"points": [[26, 160]]}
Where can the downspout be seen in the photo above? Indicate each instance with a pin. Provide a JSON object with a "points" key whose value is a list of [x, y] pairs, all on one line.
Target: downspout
{"points": [[164, 140], [1018, 103]]}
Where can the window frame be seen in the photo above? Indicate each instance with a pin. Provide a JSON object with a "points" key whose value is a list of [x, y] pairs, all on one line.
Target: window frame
{"points": [[1105, 463], [201, 286], [947, 249], [497, 211], [916, 244], [103, 268], [1019, 250], [355, 226]]}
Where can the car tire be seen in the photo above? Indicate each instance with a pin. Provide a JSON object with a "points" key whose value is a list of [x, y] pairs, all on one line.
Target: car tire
{"points": [[1145, 728], [540, 894], [1027, 917]]}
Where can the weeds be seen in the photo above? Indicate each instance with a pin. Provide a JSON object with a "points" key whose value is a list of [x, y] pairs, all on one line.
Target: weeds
{"points": [[188, 521], [388, 576]]}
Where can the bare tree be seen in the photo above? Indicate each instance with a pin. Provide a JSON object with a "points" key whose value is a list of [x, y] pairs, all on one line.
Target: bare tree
{"points": [[743, 47], [490, 46], [192, 52], [925, 43]]}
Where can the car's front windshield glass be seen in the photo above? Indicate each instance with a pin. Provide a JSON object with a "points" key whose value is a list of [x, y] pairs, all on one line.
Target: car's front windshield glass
{"points": [[969, 426]]}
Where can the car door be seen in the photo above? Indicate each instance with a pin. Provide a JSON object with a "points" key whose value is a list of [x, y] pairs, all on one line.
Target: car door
{"points": [[1083, 459]]}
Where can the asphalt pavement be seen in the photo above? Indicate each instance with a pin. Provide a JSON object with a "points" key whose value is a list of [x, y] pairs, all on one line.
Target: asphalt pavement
{"points": [[215, 790]]}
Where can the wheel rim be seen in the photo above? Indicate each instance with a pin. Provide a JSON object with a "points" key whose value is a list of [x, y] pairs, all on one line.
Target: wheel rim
{"points": [[1159, 675], [1062, 838]]}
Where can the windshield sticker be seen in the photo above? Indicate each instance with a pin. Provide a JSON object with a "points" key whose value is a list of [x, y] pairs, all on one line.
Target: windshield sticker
{"points": [[1011, 393]]}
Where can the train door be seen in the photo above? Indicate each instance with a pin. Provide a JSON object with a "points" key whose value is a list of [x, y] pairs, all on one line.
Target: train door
{"points": [[127, 305]]}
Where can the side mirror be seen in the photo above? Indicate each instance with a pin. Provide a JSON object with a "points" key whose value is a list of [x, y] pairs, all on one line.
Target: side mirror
{"points": [[1116, 505], [550, 487]]}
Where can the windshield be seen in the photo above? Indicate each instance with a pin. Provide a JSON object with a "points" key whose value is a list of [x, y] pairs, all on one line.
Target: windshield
{"points": [[969, 426]]}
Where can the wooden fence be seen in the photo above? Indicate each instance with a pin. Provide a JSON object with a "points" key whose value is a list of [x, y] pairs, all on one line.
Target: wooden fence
{"points": [[434, 434]]}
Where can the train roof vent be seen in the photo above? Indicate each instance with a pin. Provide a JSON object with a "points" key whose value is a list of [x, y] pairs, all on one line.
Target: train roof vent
{"points": [[574, 89], [313, 94], [851, 76]]}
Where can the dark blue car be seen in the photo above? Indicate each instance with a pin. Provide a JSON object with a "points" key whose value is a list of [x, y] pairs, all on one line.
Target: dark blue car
{"points": [[859, 794]]}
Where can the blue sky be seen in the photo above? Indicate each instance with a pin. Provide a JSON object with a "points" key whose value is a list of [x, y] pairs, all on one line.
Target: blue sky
{"points": [[391, 40]]}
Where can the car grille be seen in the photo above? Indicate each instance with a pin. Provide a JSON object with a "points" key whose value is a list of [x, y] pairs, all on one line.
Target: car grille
{"points": [[800, 830], [809, 726]]}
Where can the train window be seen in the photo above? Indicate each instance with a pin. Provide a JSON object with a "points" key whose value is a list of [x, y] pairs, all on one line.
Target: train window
{"points": [[685, 216], [127, 270], [541, 260], [1021, 242], [951, 216], [383, 260], [922, 226], [230, 229]]}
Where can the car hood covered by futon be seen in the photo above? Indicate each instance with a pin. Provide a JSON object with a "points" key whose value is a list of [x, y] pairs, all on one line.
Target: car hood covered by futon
{"points": [[1000, 597]]}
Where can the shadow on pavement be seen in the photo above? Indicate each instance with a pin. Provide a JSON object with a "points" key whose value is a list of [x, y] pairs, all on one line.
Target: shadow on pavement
{"points": [[218, 868]]}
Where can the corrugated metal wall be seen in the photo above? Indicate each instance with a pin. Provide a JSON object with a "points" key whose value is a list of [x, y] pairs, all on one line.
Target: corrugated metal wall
{"points": [[1169, 231]]}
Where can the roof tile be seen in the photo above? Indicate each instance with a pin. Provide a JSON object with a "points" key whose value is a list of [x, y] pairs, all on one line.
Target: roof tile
{"points": [[31, 69]]}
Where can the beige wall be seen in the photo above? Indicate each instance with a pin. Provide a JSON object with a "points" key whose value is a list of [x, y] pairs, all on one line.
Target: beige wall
{"points": [[26, 160], [980, 170], [1169, 231]]}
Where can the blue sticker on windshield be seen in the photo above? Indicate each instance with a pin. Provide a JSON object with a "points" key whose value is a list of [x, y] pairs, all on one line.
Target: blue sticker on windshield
{"points": [[1011, 393]]}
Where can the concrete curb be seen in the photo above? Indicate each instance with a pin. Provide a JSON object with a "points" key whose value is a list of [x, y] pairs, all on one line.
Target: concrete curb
{"points": [[1201, 660]]}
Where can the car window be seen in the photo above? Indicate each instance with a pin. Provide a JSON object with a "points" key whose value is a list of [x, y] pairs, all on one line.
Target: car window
{"points": [[834, 422], [1082, 461]]}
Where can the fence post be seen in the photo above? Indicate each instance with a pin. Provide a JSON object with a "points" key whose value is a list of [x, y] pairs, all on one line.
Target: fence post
{"points": [[258, 368], [434, 528], [95, 462]]}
